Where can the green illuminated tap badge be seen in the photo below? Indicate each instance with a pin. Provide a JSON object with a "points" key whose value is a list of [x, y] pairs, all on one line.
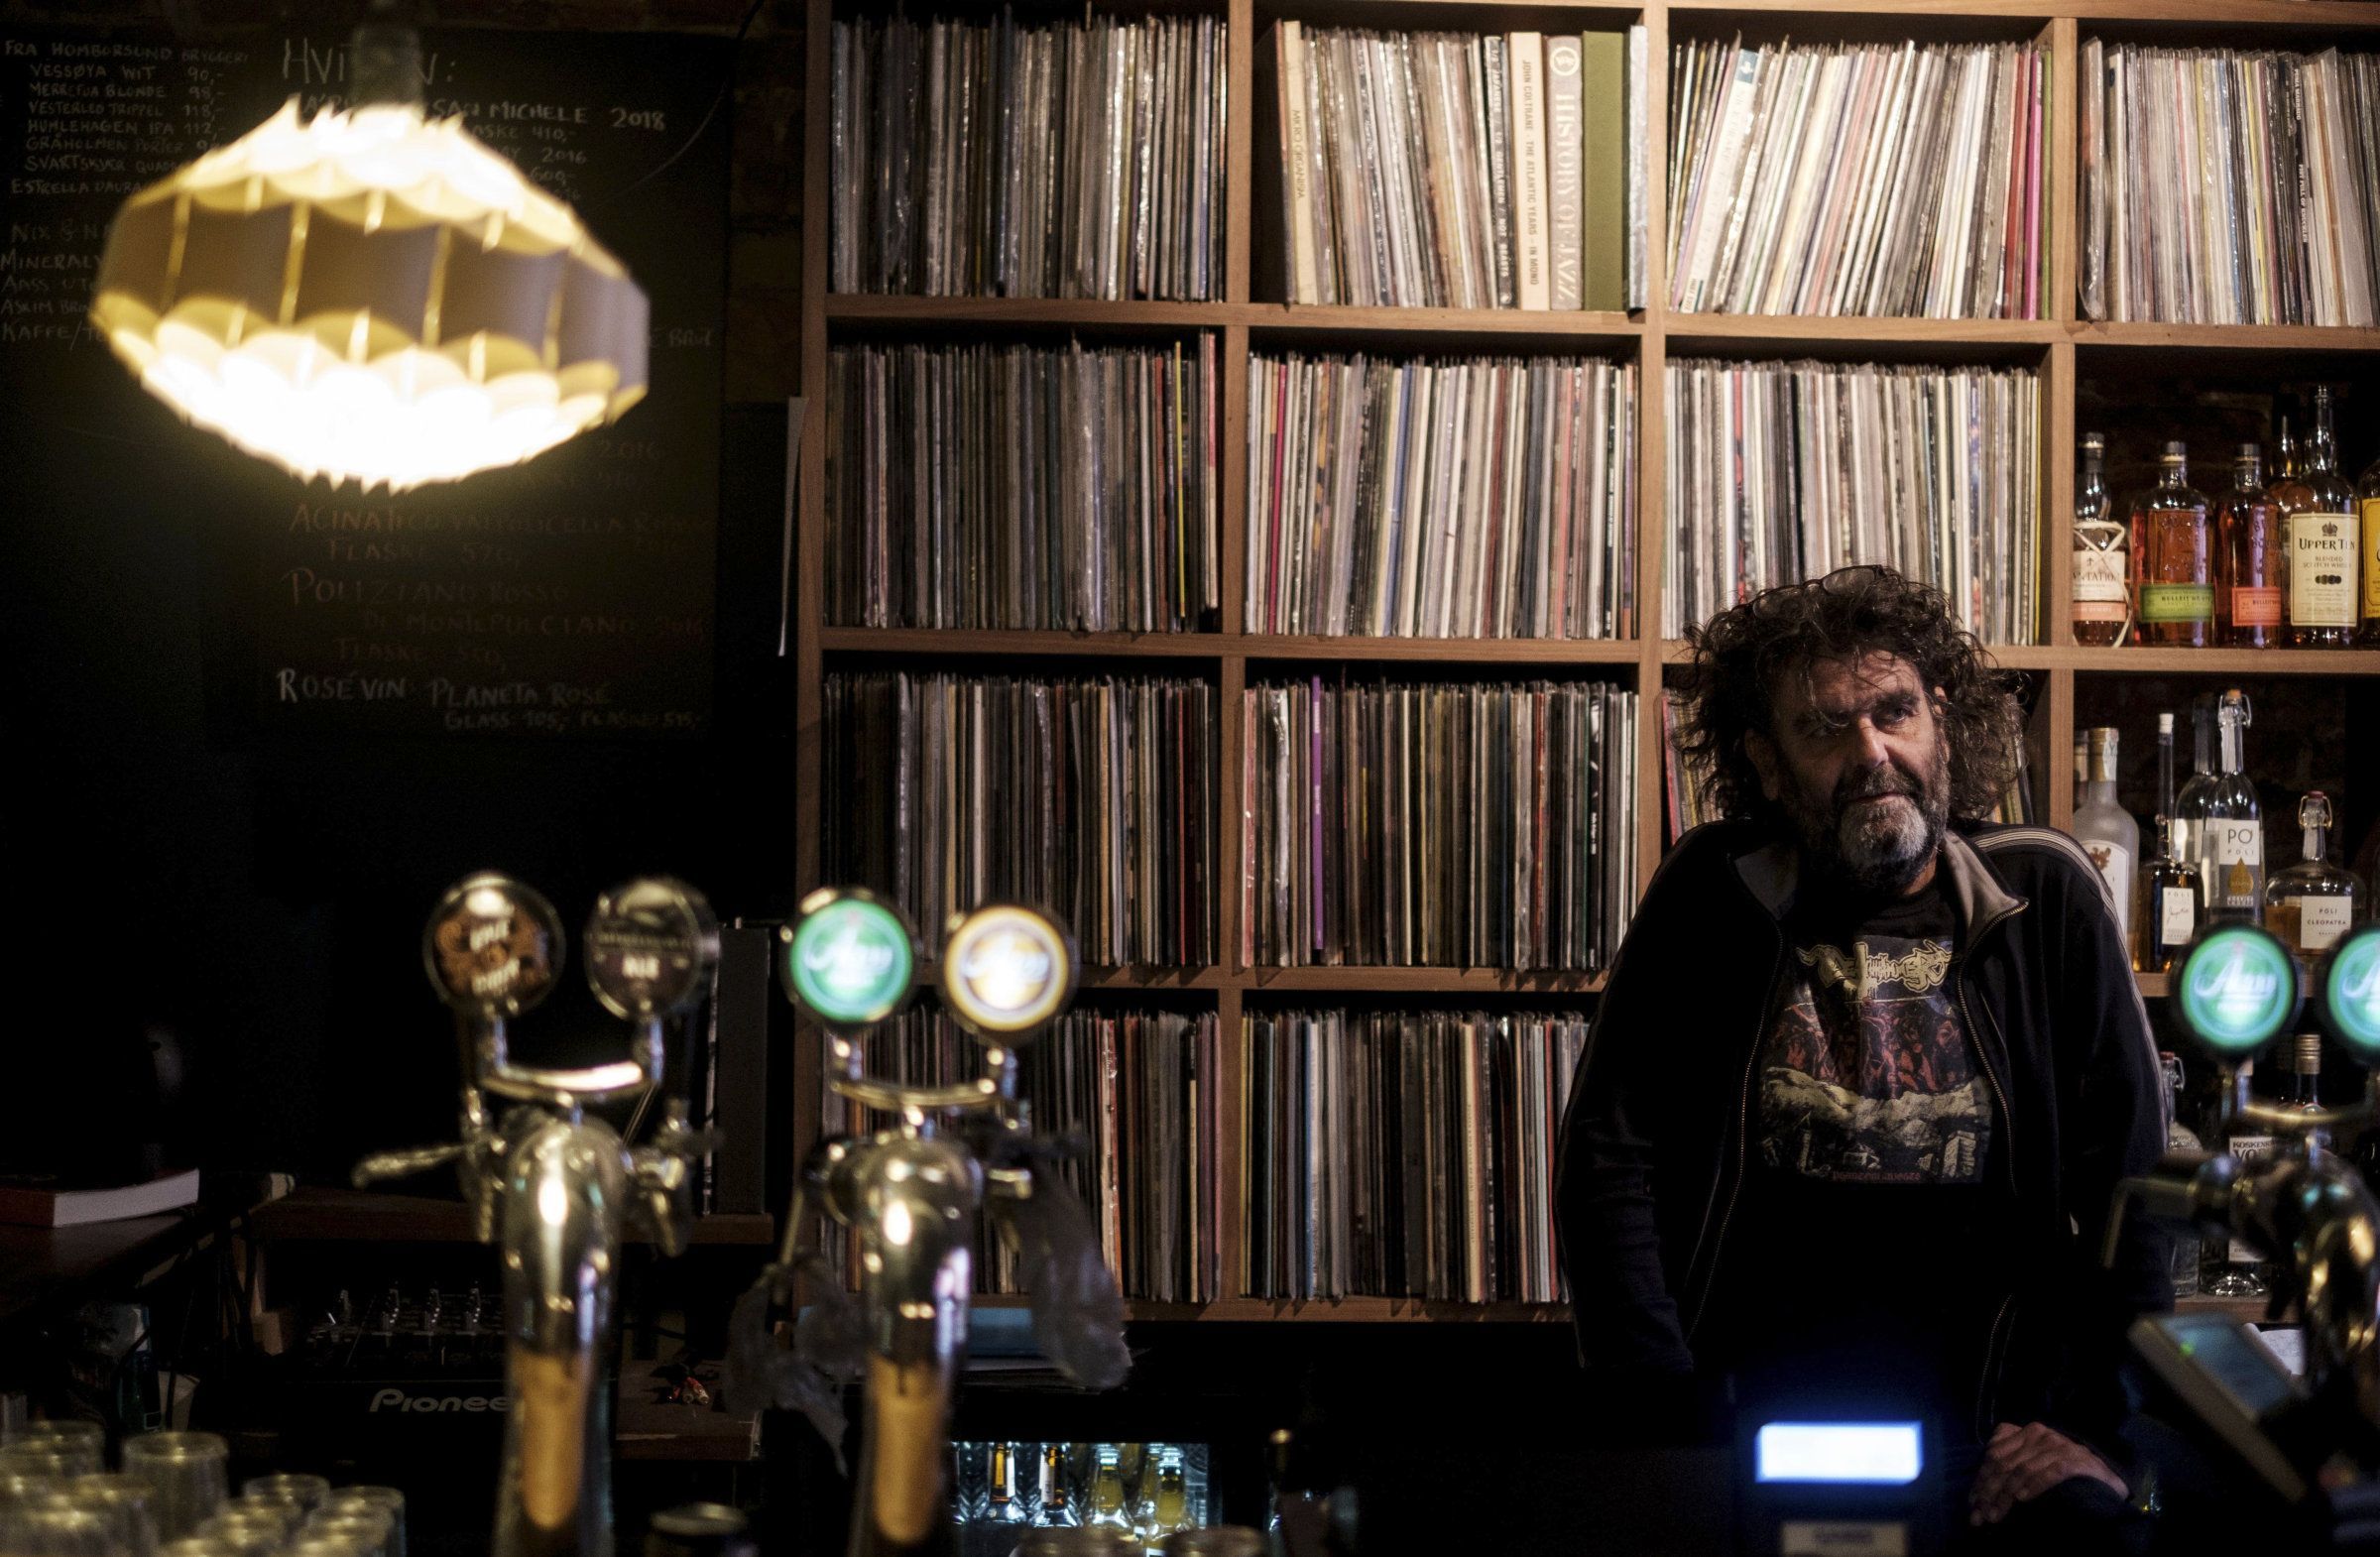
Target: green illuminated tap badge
{"points": [[2237, 990], [849, 960], [2352, 992]]}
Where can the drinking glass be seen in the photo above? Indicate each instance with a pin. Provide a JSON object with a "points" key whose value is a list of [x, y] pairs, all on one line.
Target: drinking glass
{"points": [[306, 1492], [120, 1501], [381, 1499], [253, 1532], [83, 1442], [367, 1529], [40, 1457], [53, 1526], [184, 1473]]}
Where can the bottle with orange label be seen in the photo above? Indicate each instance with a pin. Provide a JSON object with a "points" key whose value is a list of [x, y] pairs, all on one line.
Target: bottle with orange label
{"points": [[2247, 557]]}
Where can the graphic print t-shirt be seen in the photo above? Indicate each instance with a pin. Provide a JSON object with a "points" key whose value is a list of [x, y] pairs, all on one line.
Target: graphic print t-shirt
{"points": [[1867, 1076], [1867, 1260]]}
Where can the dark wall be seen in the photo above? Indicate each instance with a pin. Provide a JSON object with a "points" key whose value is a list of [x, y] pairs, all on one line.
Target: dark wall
{"points": [[258, 894]]}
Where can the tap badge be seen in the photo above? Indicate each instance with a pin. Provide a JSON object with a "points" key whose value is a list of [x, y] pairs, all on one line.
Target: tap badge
{"points": [[651, 946], [2237, 990], [2350, 986], [1007, 968], [850, 959], [494, 946]]}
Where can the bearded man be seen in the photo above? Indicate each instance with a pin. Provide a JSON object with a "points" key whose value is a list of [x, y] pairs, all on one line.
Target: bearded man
{"points": [[1867, 1073]]}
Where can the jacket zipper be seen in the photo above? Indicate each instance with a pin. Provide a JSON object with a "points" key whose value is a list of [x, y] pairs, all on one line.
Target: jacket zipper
{"points": [[1992, 1338]]}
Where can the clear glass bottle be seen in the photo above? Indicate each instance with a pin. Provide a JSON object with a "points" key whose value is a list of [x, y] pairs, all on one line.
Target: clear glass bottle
{"points": [[2319, 548], [2367, 521], [2180, 1141], [2224, 824], [1171, 1501], [2102, 571], [2173, 558], [2247, 536], [2167, 916], [2306, 1072], [1107, 1498], [2106, 831], [2232, 1268], [2313, 903]]}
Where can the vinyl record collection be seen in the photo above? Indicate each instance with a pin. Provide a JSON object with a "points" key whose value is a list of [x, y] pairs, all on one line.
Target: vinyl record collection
{"points": [[1858, 179], [1094, 797], [1456, 169], [2226, 187], [1473, 825], [1481, 498], [1781, 471], [1687, 806], [1139, 1087], [1404, 1153], [1079, 160], [1011, 486]]}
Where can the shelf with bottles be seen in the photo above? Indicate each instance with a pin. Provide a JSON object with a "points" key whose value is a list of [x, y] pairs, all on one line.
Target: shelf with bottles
{"points": [[1143, 1490], [2231, 513], [2240, 803]]}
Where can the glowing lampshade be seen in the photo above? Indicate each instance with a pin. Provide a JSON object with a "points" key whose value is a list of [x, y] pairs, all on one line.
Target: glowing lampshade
{"points": [[370, 297]]}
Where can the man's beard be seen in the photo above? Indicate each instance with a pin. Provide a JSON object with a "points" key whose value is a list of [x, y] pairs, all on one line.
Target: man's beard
{"points": [[1879, 848]]}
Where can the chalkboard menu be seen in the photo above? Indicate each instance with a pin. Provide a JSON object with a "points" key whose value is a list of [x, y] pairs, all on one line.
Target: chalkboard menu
{"points": [[569, 597]]}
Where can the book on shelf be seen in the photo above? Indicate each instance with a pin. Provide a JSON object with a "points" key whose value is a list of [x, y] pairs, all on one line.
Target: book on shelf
{"points": [[1454, 170], [1141, 1090], [1780, 471], [2224, 186], [1856, 178], [998, 159], [1403, 1153], [1439, 824], [1017, 486], [1093, 797], [1467, 497]]}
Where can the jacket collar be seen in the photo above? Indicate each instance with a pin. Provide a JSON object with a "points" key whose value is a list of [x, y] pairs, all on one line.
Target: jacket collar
{"points": [[1772, 871]]}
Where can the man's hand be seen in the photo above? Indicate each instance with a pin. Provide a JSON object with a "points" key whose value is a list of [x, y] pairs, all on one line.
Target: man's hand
{"points": [[2022, 1462]]}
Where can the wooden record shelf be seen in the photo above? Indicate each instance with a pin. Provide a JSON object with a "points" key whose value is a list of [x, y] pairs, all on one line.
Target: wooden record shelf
{"points": [[2061, 348]]}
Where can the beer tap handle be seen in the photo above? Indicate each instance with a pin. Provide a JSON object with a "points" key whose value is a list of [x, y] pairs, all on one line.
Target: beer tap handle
{"points": [[383, 1165], [662, 1170]]}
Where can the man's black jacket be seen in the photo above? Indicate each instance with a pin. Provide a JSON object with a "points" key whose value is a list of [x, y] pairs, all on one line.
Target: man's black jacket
{"points": [[1653, 1148]]}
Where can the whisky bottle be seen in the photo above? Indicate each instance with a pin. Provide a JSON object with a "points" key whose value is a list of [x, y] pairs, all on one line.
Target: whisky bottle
{"points": [[2247, 537], [2172, 544], [2225, 825], [2311, 903], [2367, 517], [2106, 831], [2102, 581], [2168, 914], [1055, 1511], [2320, 550], [1003, 1505]]}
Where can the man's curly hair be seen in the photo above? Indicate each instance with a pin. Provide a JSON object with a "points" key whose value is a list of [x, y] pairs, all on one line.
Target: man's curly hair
{"points": [[1743, 656]]}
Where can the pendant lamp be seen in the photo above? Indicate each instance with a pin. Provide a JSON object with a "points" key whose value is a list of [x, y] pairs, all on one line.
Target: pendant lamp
{"points": [[371, 295]]}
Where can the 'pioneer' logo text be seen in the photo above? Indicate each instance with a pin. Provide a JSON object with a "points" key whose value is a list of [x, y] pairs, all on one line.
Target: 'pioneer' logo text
{"points": [[399, 1400]]}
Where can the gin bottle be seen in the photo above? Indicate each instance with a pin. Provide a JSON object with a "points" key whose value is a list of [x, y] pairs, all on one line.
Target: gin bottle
{"points": [[2102, 583], [2106, 831], [2168, 914], [2226, 827], [2311, 904], [2234, 1268]]}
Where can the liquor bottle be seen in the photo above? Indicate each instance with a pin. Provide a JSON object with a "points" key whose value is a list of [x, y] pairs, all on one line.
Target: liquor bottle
{"points": [[2306, 1073], [2247, 534], [2173, 546], [2233, 1268], [2106, 831], [2367, 518], [1172, 1503], [1056, 1509], [2311, 904], [1002, 1505], [2225, 825], [2320, 550], [2180, 1141], [2102, 583], [1106, 1492], [2168, 915]]}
